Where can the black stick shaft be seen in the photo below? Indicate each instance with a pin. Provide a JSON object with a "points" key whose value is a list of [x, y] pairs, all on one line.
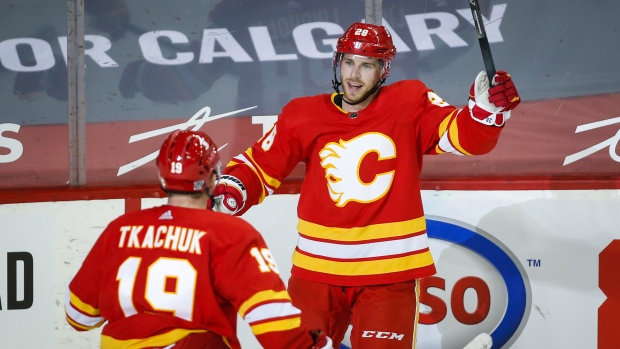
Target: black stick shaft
{"points": [[482, 39]]}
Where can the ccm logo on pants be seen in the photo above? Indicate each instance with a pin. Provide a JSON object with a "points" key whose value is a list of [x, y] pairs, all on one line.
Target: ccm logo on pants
{"points": [[385, 335]]}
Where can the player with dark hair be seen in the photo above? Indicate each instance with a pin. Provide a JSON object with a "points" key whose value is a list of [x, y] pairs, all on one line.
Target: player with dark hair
{"points": [[175, 276], [362, 245]]}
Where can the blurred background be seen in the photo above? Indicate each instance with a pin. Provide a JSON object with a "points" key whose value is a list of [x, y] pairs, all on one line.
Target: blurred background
{"points": [[153, 65]]}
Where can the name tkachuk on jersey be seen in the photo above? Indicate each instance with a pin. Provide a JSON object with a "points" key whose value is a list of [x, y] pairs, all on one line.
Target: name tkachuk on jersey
{"points": [[169, 237], [152, 284]]}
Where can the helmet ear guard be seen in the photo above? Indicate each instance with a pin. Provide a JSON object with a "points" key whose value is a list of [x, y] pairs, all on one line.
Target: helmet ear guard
{"points": [[186, 161], [367, 40]]}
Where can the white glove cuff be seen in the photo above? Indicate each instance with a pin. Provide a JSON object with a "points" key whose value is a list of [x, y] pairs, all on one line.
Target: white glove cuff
{"points": [[492, 119]]}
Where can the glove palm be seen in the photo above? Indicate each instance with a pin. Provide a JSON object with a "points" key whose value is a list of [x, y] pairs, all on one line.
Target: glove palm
{"points": [[492, 105]]}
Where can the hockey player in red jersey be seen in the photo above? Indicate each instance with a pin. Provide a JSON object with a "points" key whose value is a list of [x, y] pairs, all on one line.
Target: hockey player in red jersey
{"points": [[362, 245], [175, 276]]}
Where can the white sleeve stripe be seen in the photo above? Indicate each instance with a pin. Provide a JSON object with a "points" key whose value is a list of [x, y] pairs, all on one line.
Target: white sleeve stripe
{"points": [[271, 311], [446, 146], [242, 158], [75, 315]]}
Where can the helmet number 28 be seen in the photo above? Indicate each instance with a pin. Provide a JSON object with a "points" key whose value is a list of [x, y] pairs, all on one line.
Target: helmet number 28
{"points": [[362, 32]]}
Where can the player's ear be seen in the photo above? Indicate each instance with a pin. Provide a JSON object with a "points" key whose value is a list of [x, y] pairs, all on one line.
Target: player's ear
{"points": [[212, 181]]}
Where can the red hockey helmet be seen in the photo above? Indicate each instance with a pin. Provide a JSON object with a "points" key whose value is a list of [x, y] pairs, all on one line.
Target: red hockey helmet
{"points": [[186, 160], [367, 40]]}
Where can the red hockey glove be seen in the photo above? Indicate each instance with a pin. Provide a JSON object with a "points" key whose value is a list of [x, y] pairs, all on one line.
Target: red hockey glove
{"points": [[321, 341], [504, 94], [229, 196]]}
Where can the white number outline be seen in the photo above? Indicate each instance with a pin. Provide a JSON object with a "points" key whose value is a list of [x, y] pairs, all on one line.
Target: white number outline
{"points": [[436, 100], [267, 141], [265, 260], [362, 32], [176, 167], [180, 302]]}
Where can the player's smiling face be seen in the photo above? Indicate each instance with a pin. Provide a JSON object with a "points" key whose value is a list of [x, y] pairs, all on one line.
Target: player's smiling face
{"points": [[359, 75]]}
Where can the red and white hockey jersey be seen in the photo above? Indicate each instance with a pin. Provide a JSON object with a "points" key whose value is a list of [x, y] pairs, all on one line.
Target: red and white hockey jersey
{"points": [[360, 212], [163, 273]]}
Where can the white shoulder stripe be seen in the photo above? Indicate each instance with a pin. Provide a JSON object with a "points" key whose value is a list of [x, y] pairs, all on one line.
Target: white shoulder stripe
{"points": [[241, 157], [446, 146]]}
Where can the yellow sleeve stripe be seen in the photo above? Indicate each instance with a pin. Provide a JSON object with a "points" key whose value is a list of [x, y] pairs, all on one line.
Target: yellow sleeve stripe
{"points": [[278, 325], [371, 232], [262, 296], [83, 307], [262, 176], [374, 267], [454, 138], [270, 180], [232, 163], [161, 340], [443, 127], [245, 160]]}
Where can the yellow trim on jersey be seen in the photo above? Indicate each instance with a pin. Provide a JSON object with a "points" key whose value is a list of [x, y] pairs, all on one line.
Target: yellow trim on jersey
{"points": [[374, 267], [371, 232], [275, 326], [247, 163], [83, 307], [416, 320], [270, 180], [336, 104], [161, 340], [443, 127], [454, 137], [262, 296]]}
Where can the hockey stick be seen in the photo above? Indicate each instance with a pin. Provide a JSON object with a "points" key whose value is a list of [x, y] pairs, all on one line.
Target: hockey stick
{"points": [[482, 39]]}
